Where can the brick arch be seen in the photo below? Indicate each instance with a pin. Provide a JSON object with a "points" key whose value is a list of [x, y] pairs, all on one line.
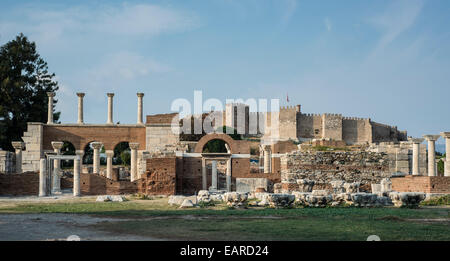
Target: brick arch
{"points": [[81, 135], [236, 146]]}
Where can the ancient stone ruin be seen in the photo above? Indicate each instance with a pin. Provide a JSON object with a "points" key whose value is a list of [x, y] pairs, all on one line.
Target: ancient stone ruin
{"points": [[313, 160]]}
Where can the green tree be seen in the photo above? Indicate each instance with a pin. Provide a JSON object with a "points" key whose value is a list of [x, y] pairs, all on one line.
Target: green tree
{"points": [[24, 83]]}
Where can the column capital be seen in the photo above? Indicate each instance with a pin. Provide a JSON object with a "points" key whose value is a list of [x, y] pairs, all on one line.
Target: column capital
{"points": [[50, 94], [110, 94], [416, 140], [109, 153], [445, 135], [18, 145], [80, 94], [140, 94], [133, 145], [97, 145], [266, 147], [57, 145], [431, 137]]}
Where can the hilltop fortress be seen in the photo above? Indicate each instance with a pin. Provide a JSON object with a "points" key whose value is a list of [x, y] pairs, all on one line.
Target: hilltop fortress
{"points": [[297, 126]]}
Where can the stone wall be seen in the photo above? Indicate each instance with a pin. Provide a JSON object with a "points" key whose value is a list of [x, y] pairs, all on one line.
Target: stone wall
{"points": [[251, 184], [33, 139], [400, 156], [19, 184], [356, 131], [323, 167], [309, 126], [421, 184], [7, 162], [160, 137], [332, 126]]}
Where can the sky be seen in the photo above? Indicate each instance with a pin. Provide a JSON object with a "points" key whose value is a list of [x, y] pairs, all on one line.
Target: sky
{"points": [[384, 60]]}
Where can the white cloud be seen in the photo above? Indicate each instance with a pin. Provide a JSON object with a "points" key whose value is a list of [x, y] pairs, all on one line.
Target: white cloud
{"points": [[396, 19], [327, 24], [47, 26], [127, 65]]}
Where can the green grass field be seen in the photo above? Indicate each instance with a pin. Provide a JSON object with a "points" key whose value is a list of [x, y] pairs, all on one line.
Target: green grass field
{"points": [[155, 218]]}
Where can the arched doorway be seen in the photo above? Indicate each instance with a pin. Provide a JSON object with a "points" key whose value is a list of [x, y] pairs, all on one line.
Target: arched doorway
{"points": [[67, 149]]}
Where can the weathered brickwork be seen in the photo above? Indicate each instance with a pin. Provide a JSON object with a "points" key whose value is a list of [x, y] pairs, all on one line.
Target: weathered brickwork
{"points": [[93, 184], [160, 178], [19, 184], [421, 183], [323, 167], [81, 135]]}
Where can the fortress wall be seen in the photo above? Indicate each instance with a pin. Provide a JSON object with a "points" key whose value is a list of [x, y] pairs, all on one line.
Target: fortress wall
{"points": [[383, 132], [288, 122], [332, 126], [356, 131], [309, 126]]}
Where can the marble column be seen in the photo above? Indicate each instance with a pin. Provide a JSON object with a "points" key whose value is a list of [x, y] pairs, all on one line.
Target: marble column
{"points": [[80, 107], [267, 158], [134, 146], [96, 160], [42, 178], [18, 147], [110, 108], [50, 107], [57, 173], [431, 139], [109, 156], [229, 175], [416, 150], [140, 95], [80, 153], [446, 135], [76, 177], [214, 175], [261, 159], [204, 180]]}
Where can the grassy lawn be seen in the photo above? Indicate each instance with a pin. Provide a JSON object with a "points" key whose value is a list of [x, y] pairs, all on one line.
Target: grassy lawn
{"points": [[156, 218]]}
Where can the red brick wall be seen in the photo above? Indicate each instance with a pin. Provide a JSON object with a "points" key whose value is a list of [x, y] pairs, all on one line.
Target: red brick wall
{"points": [[160, 177], [421, 184], [19, 184], [81, 135], [93, 184], [161, 118]]}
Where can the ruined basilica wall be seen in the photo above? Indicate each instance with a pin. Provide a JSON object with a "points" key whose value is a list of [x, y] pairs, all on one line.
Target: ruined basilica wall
{"points": [[33, 139], [324, 167], [159, 135]]}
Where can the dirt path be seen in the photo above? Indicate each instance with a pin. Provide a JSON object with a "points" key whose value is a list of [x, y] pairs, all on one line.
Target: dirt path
{"points": [[57, 227]]}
